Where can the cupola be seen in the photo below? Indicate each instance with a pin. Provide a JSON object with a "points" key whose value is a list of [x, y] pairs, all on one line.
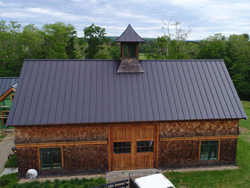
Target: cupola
{"points": [[129, 40]]}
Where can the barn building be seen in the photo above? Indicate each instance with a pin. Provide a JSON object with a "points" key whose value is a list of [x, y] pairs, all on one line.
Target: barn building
{"points": [[7, 90], [82, 116]]}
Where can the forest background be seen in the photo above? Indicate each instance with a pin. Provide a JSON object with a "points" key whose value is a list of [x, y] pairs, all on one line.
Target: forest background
{"points": [[60, 41]]}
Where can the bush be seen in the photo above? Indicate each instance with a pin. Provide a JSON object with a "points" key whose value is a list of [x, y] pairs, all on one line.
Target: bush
{"points": [[12, 162], [10, 181]]}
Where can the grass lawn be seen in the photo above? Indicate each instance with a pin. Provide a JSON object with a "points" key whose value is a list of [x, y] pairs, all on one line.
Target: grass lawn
{"points": [[9, 180], [221, 179], [246, 123], [142, 56]]}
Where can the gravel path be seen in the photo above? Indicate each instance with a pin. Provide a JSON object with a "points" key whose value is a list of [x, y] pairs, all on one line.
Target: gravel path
{"points": [[5, 149]]}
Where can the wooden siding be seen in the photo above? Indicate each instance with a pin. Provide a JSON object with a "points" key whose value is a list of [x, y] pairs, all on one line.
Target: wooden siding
{"points": [[75, 159], [228, 150], [186, 153], [44, 134], [27, 158], [90, 148], [7, 93], [198, 128], [86, 158]]}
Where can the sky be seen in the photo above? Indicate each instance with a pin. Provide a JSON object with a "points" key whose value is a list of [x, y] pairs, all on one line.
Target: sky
{"points": [[202, 17]]}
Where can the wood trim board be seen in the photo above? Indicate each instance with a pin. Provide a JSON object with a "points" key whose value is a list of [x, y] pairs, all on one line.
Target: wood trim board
{"points": [[59, 144], [3, 96], [199, 138]]}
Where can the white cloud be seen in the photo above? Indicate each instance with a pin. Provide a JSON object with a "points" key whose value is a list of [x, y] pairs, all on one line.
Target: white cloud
{"points": [[205, 17]]}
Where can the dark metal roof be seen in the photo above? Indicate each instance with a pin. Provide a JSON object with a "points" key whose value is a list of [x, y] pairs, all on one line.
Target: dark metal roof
{"points": [[6, 83], [129, 35], [90, 91]]}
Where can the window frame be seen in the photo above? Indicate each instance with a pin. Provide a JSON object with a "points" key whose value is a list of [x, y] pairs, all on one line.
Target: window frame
{"points": [[50, 149], [127, 50], [218, 149], [120, 147], [147, 147]]}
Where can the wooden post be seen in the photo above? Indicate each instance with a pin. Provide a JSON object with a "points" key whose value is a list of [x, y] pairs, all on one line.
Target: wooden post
{"points": [[122, 51], [137, 51]]}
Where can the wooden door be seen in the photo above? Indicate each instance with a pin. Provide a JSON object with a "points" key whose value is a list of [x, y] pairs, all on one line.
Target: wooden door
{"points": [[121, 141], [144, 140], [132, 147]]}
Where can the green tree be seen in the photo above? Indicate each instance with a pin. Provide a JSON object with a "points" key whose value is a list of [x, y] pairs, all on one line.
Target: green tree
{"points": [[192, 49], [95, 36], [239, 51], [103, 52], [70, 48], [32, 40], [115, 51], [80, 48], [159, 50], [215, 47], [59, 41], [11, 52], [172, 45]]}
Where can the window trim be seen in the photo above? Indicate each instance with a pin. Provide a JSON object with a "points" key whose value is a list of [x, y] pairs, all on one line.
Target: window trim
{"points": [[219, 144], [124, 49], [144, 146], [40, 157], [120, 147]]}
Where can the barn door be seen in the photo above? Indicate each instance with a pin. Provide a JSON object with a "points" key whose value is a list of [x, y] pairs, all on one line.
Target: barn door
{"points": [[121, 147], [132, 147], [144, 141]]}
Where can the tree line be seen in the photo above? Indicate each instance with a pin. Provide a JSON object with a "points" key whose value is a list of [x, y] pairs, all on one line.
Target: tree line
{"points": [[60, 41]]}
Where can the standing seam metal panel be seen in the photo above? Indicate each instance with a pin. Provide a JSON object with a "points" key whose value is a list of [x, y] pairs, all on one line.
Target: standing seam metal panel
{"points": [[85, 91]]}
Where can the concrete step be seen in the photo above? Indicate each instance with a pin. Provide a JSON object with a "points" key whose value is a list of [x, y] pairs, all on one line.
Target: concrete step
{"points": [[125, 174], [9, 171]]}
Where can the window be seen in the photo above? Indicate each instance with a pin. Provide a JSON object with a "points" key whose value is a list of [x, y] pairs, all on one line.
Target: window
{"points": [[130, 50], [122, 147], [209, 150], [50, 158], [4, 117], [145, 146]]}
